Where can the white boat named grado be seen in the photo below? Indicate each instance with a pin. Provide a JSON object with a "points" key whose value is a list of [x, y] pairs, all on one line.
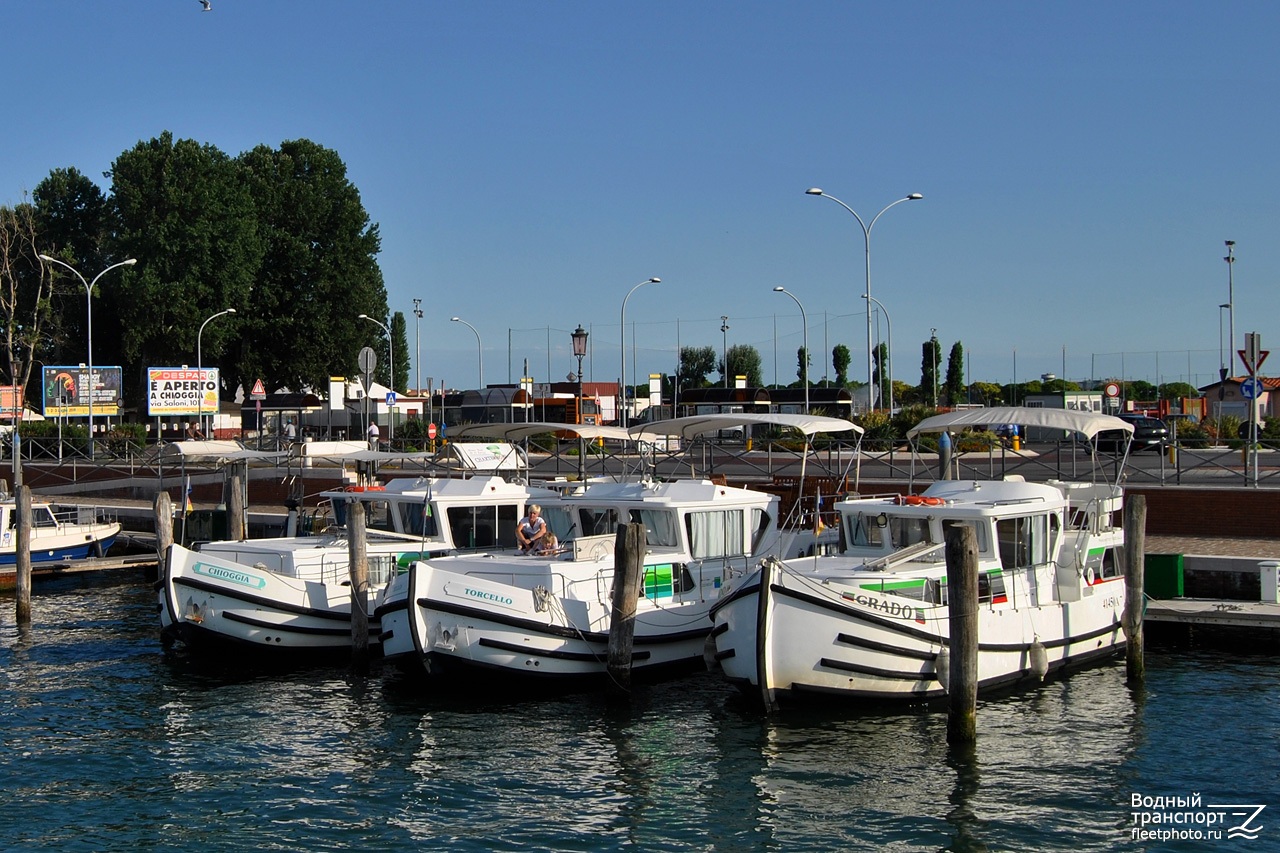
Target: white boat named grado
{"points": [[872, 621]]}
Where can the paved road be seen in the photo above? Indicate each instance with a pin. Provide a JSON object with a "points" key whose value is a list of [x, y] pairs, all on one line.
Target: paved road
{"points": [[1216, 467]]}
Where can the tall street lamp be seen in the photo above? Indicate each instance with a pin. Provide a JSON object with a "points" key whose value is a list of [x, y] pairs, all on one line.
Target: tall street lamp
{"points": [[88, 298], [724, 346], [580, 349], [1231, 302], [391, 367], [623, 327], [888, 349], [200, 366], [866, 235], [804, 320], [417, 345], [479, 346]]}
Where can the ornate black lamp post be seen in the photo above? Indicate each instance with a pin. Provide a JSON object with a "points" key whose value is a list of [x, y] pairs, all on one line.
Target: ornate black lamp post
{"points": [[579, 336]]}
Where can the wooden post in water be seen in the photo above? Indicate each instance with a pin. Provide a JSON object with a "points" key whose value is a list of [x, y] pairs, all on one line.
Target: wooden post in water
{"points": [[235, 508], [163, 509], [628, 569], [22, 549], [962, 611], [358, 568], [1135, 547]]}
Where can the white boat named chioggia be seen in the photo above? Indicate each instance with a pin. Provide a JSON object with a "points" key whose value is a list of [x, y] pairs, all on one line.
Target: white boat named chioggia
{"points": [[294, 593], [546, 618], [872, 622]]}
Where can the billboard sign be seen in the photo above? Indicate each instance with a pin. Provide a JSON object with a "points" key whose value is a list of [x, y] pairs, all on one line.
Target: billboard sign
{"points": [[66, 391], [181, 391], [10, 402]]}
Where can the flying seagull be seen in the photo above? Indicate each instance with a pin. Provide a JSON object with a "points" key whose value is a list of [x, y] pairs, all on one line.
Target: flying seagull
{"points": [[207, 4]]}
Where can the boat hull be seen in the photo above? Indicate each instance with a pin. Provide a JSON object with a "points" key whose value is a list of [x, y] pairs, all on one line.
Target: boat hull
{"points": [[206, 601], [89, 540], [461, 625], [781, 636]]}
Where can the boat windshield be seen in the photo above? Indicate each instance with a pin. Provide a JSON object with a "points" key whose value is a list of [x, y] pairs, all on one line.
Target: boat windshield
{"points": [[418, 519]]}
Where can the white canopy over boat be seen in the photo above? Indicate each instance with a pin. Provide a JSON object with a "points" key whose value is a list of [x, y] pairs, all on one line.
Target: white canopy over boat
{"points": [[217, 451], [519, 431], [1089, 424], [692, 425], [339, 452]]}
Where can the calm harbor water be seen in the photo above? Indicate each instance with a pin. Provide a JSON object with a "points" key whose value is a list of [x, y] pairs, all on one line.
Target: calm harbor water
{"points": [[112, 744]]}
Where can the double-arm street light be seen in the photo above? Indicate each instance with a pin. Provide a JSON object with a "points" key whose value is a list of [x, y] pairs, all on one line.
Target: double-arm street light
{"points": [[804, 365], [479, 346], [391, 367], [88, 294], [200, 367], [888, 366], [623, 328], [866, 235]]}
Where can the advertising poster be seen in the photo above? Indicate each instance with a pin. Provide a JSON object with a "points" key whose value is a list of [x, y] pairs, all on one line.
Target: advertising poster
{"points": [[66, 391], [182, 391]]}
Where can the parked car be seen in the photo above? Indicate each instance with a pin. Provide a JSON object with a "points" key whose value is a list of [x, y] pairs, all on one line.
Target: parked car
{"points": [[1147, 433]]}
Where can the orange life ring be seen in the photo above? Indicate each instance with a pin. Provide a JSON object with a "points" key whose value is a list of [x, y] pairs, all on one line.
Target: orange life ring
{"points": [[913, 500], [366, 488], [922, 500]]}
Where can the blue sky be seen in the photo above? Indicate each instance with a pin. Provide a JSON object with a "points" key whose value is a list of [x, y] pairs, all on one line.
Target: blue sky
{"points": [[528, 163]]}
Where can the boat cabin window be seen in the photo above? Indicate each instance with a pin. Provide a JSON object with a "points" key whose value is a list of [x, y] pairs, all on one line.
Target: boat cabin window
{"points": [[559, 521], [484, 526], [1024, 542], [418, 519], [760, 521], [864, 531], [661, 529], [715, 533], [597, 521], [378, 515], [41, 516], [908, 531]]}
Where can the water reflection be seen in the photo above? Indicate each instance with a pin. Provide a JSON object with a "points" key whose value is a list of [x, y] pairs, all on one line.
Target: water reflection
{"points": [[110, 743]]}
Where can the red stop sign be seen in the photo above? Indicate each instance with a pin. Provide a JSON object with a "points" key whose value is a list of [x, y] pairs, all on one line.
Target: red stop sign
{"points": [[431, 430]]}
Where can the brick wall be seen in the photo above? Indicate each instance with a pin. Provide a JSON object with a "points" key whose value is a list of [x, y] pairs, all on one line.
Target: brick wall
{"points": [[1176, 510]]}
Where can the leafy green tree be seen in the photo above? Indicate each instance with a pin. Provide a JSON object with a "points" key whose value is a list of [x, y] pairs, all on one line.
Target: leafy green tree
{"points": [[802, 361], [930, 361], [318, 273], [840, 360], [987, 393], [26, 286], [188, 217], [1139, 389], [954, 386], [695, 364], [1174, 390], [880, 360], [74, 219], [744, 360], [400, 340]]}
